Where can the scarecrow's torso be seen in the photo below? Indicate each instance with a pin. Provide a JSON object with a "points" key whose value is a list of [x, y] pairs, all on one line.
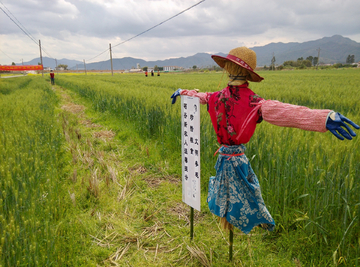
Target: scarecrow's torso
{"points": [[229, 109]]}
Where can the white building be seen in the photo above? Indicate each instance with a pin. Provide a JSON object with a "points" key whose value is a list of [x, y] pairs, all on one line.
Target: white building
{"points": [[135, 70], [171, 68]]}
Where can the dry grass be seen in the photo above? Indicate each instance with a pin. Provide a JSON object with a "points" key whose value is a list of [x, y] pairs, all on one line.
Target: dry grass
{"points": [[197, 253], [73, 108], [154, 182], [89, 123], [104, 134]]}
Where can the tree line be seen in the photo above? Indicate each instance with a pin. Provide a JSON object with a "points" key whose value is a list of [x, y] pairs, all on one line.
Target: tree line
{"points": [[302, 63]]}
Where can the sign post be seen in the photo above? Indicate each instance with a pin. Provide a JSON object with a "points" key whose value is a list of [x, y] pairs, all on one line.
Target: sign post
{"points": [[190, 121]]}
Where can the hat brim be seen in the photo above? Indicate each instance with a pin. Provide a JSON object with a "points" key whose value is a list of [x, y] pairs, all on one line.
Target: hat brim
{"points": [[222, 60]]}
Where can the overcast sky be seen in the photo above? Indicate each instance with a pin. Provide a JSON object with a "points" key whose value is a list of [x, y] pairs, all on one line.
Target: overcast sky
{"points": [[82, 29]]}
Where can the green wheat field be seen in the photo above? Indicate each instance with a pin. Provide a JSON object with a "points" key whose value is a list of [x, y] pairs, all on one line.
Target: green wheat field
{"points": [[90, 174]]}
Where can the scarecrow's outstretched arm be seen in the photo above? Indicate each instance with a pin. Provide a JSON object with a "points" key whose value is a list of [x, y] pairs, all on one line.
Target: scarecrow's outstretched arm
{"points": [[204, 97], [319, 120]]}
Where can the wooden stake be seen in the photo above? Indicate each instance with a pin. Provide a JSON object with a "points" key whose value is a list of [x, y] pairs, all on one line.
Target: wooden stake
{"points": [[191, 223], [231, 241]]}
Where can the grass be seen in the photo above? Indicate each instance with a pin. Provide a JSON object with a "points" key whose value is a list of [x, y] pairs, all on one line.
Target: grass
{"points": [[121, 189]]}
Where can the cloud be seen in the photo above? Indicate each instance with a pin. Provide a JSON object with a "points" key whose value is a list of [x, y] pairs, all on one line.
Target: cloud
{"points": [[78, 29]]}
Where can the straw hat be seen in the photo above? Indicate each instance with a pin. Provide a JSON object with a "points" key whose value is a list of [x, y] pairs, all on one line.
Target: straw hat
{"points": [[243, 57]]}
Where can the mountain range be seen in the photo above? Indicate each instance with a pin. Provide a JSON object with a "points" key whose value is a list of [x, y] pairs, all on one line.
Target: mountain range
{"points": [[333, 49]]}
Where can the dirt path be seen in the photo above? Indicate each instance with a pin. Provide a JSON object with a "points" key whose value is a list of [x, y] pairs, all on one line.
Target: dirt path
{"points": [[119, 195]]}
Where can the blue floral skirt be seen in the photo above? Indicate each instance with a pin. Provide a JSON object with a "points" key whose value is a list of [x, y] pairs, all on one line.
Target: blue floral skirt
{"points": [[235, 193]]}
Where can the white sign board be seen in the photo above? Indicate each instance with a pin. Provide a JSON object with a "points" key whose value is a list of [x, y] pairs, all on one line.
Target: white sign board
{"points": [[190, 121]]}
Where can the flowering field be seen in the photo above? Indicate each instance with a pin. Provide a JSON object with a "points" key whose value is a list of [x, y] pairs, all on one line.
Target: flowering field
{"points": [[310, 181]]}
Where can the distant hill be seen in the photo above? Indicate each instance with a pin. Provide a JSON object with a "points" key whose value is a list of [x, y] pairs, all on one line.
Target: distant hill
{"points": [[50, 62], [199, 59], [333, 49]]}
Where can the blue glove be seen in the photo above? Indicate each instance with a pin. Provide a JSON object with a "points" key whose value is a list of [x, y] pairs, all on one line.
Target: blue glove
{"points": [[335, 124], [174, 95]]}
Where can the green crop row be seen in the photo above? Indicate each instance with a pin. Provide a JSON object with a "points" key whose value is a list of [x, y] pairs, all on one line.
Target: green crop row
{"points": [[310, 181], [31, 171]]}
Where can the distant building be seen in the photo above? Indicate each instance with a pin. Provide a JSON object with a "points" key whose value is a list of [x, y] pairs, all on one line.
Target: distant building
{"points": [[171, 68], [135, 70]]}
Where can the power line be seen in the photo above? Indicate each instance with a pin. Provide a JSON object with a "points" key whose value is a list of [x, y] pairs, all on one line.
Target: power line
{"points": [[22, 28], [7, 55], [98, 55], [150, 28], [18, 26], [32, 37], [160, 23]]}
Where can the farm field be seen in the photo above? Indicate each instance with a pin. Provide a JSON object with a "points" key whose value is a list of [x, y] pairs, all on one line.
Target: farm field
{"points": [[91, 174]]}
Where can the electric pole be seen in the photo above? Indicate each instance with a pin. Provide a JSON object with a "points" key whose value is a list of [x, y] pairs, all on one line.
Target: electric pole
{"points": [[112, 71], [318, 57], [22, 60], [57, 72], [41, 61], [85, 67]]}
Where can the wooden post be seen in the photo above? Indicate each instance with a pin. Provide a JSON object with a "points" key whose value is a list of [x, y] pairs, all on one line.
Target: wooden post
{"points": [[57, 72], [22, 60], [112, 71], [191, 223], [85, 67], [318, 58], [231, 241], [41, 61]]}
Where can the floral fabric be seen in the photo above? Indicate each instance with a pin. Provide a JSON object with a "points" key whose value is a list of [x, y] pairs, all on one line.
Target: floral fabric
{"points": [[229, 110], [235, 192]]}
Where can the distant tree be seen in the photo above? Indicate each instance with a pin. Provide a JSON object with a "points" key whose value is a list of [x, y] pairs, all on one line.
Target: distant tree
{"points": [[13, 64], [315, 61], [300, 59], [310, 58], [145, 68], [156, 68], [272, 66], [161, 68], [64, 66], [338, 65], [290, 63], [350, 59], [194, 67], [306, 63]]}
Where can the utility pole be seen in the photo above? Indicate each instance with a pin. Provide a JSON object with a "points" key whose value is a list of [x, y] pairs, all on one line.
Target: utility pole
{"points": [[112, 71], [318, 57], [57, 72], [41, 61], [22, 60], [85, 67]]}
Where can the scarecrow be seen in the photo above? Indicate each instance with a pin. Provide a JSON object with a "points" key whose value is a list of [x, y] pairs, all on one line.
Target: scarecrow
{"points": [[234, 193]]}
